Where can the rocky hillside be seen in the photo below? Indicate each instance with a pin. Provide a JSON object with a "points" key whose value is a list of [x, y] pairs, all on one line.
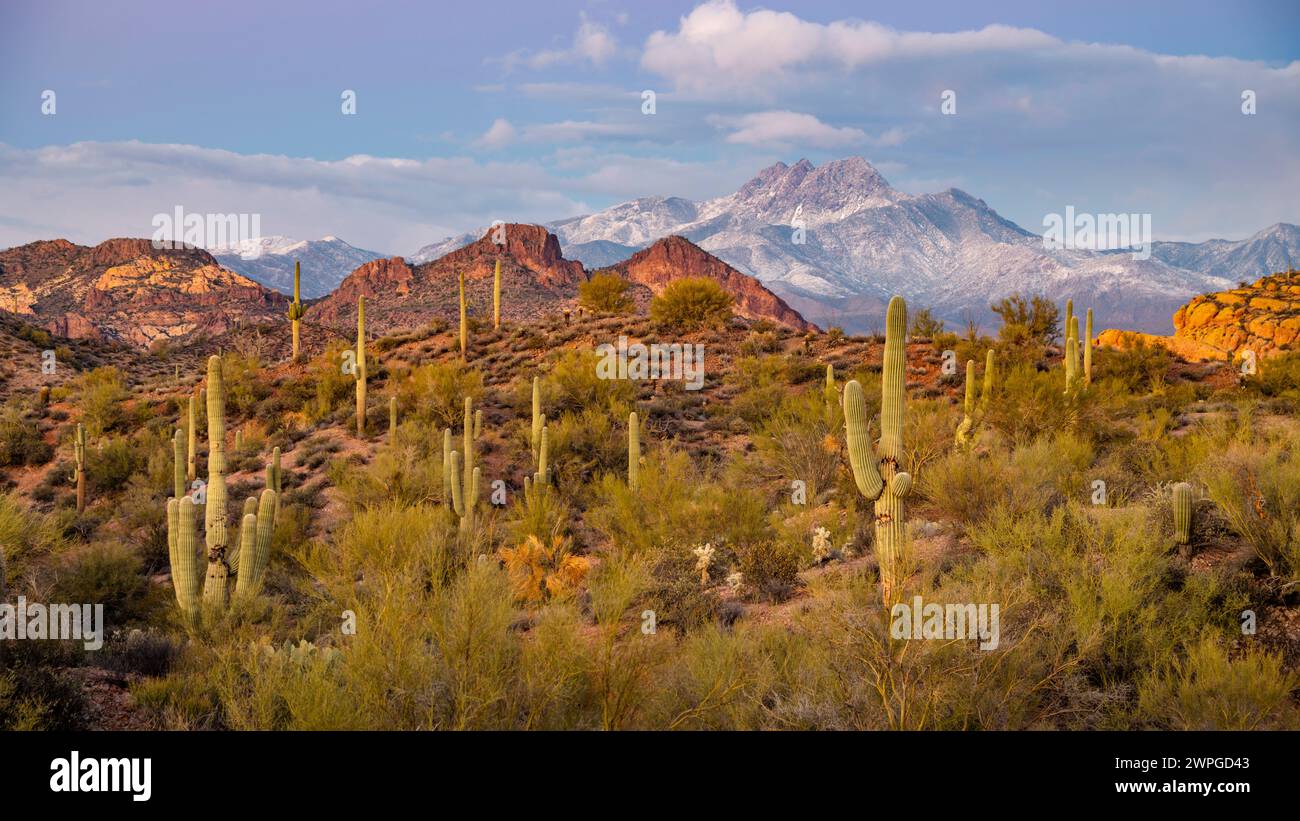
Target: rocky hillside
{"points": [[536, 280], [1263, 317], [676, 257], [126, 290]]}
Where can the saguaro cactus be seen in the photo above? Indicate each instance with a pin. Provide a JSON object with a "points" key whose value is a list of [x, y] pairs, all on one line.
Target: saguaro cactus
{"points": [[182, 549], [464, 321], [361, 366], [178, 463], [968, 407], [296, 309], [1182, 513], [192, 438], [273, 478], [460, 471], [633, 451], [255, 532], [539, 418], [392, 416], [1087, 350], [1071, 354], [496, 297], [990, 368], [79, 454], [877, 473], [830, 394], [215, 534]]}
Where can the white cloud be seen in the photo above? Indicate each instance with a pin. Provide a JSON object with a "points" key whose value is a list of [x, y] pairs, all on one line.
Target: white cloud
{"points": [[592, 45], [499, 135], [784, 128]]}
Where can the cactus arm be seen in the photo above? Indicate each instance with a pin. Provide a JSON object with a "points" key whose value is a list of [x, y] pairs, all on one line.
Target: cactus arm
{"points": [[257, 532], [447, 474], [185, 558], [537, 416], [990, 368], [862, 457], [392, 415], [496, 297], [457, 497], [968, 406], [191, 461], [891, 529], [178, 464]]}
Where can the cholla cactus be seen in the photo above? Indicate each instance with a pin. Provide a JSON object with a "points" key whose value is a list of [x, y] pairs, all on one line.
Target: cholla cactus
{"points": [[296, 310], [703, 559], [821, 544], [1182, 496], [79, 454], [633, 451], [361, 366], [877, 472]]}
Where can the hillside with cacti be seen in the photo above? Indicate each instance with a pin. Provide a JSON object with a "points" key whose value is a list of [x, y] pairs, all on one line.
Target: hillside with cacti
{"points": [[339, 518]]}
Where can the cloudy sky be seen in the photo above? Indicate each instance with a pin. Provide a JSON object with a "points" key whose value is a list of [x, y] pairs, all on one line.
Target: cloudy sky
{"points": [[471, 112]]}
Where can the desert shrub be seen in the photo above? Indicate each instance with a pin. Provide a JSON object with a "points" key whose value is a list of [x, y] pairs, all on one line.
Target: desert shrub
{"points": [[573, 384], [605, 293], [763, 383], [662, 512], [25, 535], [242, 377], [147, 653], [409, 471], [327, 383], [760, 342], [770, 568], [21, 442], [1278, 376], [435, 393], [109, 574], [1138, 369], [691, 303], [100, 395], [1032, 402], [800, 441], [34, 695], [1034, 321], [583, 445], [925, 324], [1258, 490], [1208, 690], [110, 467]]}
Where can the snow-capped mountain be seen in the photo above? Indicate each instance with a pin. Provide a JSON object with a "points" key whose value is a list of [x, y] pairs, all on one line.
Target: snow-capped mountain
{"points": [[863, 240], [437, 250], [269, 261]]}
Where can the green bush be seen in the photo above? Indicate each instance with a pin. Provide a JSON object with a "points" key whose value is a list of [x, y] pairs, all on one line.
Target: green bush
{"points": [[691, 303], [100, 394], [605, 293], [21, 442]]}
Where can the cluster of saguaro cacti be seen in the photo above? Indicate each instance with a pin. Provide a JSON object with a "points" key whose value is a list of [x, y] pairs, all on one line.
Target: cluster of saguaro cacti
{"points": [[79, 454], [296, 310], [460, 476], [1182, 513], [496, 297], [877, 472], [633, 451], [1078, 350], [361, 366], [245, 561]]}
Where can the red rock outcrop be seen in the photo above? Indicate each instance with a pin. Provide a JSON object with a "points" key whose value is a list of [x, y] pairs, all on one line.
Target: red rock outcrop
{"points": [[676, 257], [127, 290]]}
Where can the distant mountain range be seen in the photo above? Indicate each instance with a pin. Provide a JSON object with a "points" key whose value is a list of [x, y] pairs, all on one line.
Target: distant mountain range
{"points": [[269, 260]]}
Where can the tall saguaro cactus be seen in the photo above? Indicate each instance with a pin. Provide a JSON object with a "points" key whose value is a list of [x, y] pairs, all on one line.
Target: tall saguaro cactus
{"points": [[215, 585], [361, 366], [968, 407], [178, 464], [496, 297], [831, 394], [633, 451], [460, 472], [539, 418], [1087, 350], [1071, 353], [79, 454], [296, 309], [392, 416], [990, 369], [1182, 513], [877, 472], [192, 438]]}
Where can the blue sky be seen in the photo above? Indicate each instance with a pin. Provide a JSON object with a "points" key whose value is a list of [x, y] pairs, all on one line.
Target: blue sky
{"points": [[525, 111]]}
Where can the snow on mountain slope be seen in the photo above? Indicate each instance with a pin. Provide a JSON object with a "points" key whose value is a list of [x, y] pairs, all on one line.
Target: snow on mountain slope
{"points": [[269, 261], [864, 240]]}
